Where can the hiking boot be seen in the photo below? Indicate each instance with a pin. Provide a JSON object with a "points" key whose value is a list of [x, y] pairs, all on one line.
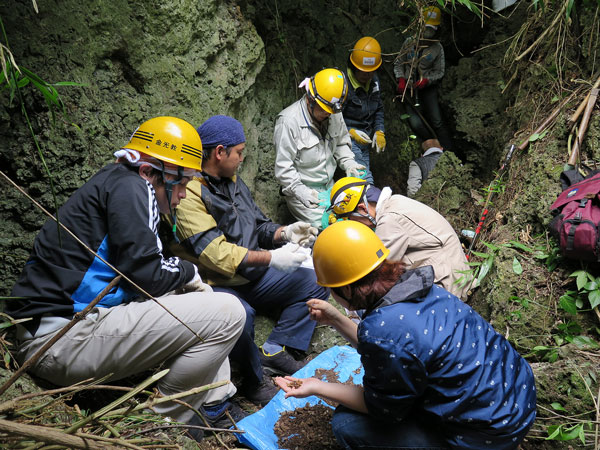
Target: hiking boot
{"points": [[216, 417], [260, 393], [281, 363]]}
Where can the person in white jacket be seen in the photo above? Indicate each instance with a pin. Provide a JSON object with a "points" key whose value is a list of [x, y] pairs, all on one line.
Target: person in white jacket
{"points": [[311, 140]]}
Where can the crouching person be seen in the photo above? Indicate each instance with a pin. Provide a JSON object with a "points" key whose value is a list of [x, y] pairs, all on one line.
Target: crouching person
{"points": [[437, 375], [116, 214]]}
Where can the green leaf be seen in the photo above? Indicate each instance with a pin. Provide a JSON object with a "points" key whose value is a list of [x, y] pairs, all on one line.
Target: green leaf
{"points": [[517, 268], [520, 246], [534, 137], [594, 298], [581, 280], [558, 407], [485, 268], [592, 285], [568, 304], [404, 116], [585, 342]]}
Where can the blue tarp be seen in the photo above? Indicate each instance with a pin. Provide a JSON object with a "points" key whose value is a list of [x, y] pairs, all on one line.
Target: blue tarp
{"points": [[259, 435]]}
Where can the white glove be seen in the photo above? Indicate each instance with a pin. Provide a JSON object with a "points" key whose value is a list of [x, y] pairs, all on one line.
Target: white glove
{"points": [[353, 172], [287, 258], [195, 285], [300, 233], [307, 196]]}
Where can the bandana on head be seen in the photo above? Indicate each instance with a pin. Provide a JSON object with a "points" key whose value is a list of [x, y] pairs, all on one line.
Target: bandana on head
{"points": [[221, 130]]}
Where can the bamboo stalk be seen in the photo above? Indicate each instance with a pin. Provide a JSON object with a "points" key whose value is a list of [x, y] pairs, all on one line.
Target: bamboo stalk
{"points": [[573, 119], [585, 120], [76, 318], [50, 435]]}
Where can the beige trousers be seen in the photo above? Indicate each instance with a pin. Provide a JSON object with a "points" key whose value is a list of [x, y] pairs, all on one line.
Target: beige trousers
{"points": [[137, 336]]}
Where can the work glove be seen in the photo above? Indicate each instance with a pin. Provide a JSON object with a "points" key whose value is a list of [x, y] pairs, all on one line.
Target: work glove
{"points": [[423, 82], [301, 233], [307, 196], [195, 285], [359, 136], [356, 171], [287, 258], [401, 85], [379, 142]]}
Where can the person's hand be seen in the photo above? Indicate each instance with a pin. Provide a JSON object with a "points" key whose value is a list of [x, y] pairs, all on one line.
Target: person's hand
{"points": [[298, 387], [423, 82], [354, 171], [195, 285], [323, 312], [379, 142], [301, 233], [360, 136], [401, 85], [287, 258], [307, 196]]}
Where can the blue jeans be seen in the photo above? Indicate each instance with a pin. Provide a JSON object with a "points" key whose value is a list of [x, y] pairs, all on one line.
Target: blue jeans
{"points": [[430, 109], [275, 291], [361, 155], [354, 430]]}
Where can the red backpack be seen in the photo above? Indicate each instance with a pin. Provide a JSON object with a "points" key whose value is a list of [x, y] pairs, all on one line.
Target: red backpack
{"points": [[577, 220]]}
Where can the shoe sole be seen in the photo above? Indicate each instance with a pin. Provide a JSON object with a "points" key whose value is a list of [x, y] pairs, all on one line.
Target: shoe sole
{"points": [[272, 371]]}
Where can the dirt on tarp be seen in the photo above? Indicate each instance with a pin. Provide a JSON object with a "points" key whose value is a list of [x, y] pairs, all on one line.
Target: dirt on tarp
{"points": [[306, 427]]}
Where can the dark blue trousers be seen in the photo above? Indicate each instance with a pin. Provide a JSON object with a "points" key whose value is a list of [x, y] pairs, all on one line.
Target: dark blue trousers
{"points": [[275, 291], [429, 107], [354, 430]]}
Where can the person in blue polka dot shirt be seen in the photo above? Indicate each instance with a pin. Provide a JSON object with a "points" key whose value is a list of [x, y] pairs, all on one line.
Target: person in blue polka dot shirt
{"points": [[437, 375]]}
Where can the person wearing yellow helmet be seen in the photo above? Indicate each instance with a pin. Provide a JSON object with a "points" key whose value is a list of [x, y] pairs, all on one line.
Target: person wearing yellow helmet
{"points": [[363, 112], [419, 69], [311, 140], [436, 374], [416, 234], [115, 216]]}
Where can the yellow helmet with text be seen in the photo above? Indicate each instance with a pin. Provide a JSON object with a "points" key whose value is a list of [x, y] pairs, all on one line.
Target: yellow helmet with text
{"points": [[346, 194], [169, 139], [432, 16], [329, 88], [366, 54], [346, 251]]}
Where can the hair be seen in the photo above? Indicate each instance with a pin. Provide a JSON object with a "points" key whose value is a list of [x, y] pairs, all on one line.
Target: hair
{"points": [[367, 291], [207, 152]]}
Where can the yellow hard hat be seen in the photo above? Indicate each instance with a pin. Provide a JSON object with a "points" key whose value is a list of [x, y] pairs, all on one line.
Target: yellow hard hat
{"points": [[432, 16], [345, 252], [169, 139], [329, 88], [346, 194], [366, 54]]}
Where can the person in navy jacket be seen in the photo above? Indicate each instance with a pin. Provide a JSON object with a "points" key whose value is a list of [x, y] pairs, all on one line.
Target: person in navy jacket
{"points": [[437, 375]]}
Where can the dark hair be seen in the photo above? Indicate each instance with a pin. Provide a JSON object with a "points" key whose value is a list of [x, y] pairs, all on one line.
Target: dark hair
{"points": [[364, 293], [207, 152]]}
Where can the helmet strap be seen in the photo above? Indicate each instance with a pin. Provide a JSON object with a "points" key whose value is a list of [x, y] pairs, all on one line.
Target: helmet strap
{"points": [[169, 191]]}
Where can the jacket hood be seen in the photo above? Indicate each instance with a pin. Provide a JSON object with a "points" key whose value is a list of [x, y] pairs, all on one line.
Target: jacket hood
{"points": [[414, 284]]}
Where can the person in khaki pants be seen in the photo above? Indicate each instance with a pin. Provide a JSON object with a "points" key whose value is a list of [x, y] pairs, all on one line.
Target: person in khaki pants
{"points": [[116, 213]]}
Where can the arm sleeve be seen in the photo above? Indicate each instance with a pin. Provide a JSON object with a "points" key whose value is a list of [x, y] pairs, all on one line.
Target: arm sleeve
{"points": [[133, 217], [401, 66], [199, 234], [439, 65], [285, 153], [342, 151], [413, 183]]}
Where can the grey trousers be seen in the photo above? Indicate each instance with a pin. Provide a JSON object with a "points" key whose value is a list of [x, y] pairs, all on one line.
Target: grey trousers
{"points": [[133, 337]]}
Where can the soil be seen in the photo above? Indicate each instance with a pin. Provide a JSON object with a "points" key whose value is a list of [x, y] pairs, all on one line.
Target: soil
{"points": [[308, 427]]}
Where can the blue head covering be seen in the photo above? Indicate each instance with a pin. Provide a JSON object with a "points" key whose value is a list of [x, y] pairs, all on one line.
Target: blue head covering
{"points": [[373, 194], [221, 130]]}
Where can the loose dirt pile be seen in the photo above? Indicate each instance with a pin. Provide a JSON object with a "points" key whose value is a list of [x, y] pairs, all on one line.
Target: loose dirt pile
{"points": [[308, 427]]}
